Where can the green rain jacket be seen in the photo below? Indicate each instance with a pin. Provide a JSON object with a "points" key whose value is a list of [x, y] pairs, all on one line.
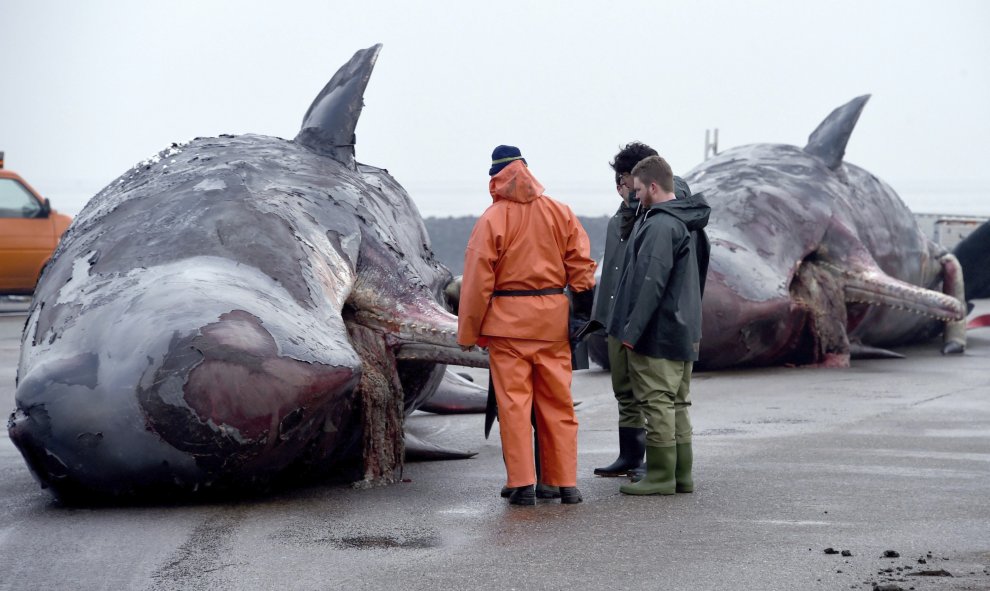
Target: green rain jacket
{"points": [[657, 303], [616, 239]]}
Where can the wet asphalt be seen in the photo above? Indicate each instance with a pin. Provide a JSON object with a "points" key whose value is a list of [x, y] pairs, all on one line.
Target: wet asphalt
{"points": [[886, 455]]}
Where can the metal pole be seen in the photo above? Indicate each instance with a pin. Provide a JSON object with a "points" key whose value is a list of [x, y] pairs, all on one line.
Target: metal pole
{"points": [[711, 143]]}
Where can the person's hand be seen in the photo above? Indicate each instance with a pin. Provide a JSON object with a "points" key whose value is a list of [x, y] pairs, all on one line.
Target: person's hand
{"points": [[466, 347], [574, 326]]}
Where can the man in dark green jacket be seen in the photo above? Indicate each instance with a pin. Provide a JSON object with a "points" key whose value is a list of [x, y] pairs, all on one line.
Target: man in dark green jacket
{"points": [[656, 317], [632, 434]]}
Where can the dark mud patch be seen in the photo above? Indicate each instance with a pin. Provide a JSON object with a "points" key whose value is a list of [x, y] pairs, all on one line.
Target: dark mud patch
{"points": [[365, 538], [384, 542]]}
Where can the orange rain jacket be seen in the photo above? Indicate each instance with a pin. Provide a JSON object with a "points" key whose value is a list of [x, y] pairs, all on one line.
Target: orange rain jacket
{"points": [[524, 241]]}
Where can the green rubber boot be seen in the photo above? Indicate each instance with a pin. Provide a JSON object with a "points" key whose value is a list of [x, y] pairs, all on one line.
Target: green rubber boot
{"points": [[682, 473], [659, 479]]}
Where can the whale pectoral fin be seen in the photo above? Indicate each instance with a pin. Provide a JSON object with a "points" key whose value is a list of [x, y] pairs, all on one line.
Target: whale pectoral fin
{"points": [[858, 350], [328, 126], [456, 395], [418, 450], [829, 139]]}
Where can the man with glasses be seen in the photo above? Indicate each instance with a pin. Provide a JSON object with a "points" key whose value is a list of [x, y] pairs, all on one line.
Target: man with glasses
{"points": [[632, 433]]}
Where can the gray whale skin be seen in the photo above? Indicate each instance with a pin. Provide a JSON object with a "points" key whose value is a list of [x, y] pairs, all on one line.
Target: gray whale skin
{"points": [[233, 312], [815, 260]]}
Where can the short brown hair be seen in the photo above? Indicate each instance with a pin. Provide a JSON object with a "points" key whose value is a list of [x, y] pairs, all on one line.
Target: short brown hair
{"points": [[655, 169]]}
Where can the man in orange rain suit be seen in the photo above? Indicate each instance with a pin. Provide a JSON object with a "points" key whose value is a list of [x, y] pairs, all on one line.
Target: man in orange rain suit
{"points": [[522, 252]]}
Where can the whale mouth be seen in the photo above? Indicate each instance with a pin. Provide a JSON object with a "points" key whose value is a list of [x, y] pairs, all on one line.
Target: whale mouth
{"points": [[874, 287], [821, 282], [428, 333], [834, 301]]}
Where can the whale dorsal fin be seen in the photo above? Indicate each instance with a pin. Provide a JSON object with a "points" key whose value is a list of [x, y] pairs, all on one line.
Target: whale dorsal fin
{"points": [[829, 140], [328, 127]]}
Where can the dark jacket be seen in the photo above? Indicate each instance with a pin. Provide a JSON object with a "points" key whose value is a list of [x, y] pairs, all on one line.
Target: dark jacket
{"points": [[657, 305], [616, 239], [611, 267]]}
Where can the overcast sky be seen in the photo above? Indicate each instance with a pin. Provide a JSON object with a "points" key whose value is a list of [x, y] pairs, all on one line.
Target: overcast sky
{"points": [[90, 88]]}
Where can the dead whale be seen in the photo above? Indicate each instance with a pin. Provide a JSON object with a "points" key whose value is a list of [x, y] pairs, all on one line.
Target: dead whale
{"points": [[233, 310], [814, 259]]}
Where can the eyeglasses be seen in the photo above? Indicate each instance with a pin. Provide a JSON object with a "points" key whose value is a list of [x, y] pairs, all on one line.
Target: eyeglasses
{"points": [[623, 178]]}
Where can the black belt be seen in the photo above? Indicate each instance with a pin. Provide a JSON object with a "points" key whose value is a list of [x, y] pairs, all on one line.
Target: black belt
{"points": [[527, 292]]}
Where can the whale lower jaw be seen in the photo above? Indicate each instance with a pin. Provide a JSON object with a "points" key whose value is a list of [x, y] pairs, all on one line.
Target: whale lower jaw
{"points": [[427, 334], [876, 288], [441, 354]]}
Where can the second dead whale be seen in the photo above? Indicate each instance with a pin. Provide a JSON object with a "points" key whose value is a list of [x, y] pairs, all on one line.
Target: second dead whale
{"points": [[814, 259]]}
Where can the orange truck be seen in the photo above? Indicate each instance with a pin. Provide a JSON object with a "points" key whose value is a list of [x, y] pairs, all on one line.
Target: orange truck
{"points": [[29, 232]]}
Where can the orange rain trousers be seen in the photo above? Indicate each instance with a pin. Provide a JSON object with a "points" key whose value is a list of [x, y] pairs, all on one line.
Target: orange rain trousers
{"points": [[525, 372]]}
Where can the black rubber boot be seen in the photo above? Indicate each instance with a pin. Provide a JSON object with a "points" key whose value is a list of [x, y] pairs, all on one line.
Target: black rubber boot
{"points": [[570, 495], [659, 479], [632, 444], [524, 495], [543, 491], [682, 473]]}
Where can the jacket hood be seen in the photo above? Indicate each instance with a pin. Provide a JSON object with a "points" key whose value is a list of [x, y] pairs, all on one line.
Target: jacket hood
{"points": [[692, 210], [516, 183]]}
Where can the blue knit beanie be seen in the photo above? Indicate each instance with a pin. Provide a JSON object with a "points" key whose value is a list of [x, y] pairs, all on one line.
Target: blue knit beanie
{"points": [[503, 156]]}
